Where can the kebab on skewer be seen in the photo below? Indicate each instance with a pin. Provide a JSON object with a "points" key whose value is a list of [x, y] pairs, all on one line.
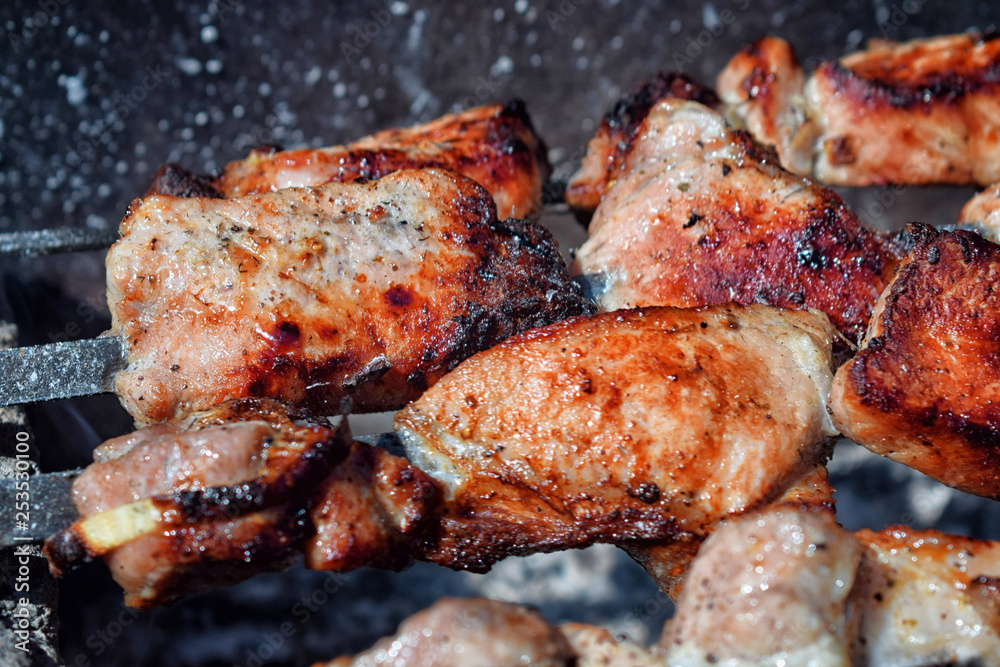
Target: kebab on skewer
{"points": [[924, 388], [635, 428], [694, 213], [918, 112], [780, 586], [372, 290], [494, 145]]}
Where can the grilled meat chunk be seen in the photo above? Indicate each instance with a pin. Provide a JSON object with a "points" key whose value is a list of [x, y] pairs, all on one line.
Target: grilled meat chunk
{"points": [[606, 153], [762, 90], [192, 505], [924, 111], [622, 427], [469, 633], [494, 145], [370, 290], [925, 390], [369, 512], [791, 586], [926, 598], [765, 588], [702, 215]]}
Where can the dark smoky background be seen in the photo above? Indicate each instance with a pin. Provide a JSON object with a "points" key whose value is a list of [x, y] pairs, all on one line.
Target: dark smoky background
{"points": [[95, 96]]}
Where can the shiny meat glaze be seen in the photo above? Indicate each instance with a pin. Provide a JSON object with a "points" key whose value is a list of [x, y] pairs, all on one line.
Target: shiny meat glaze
{"points": [[927, 598], [702, 216], [640, 425], [762, 89], [368, 511], [606, 152], [767, 589], [494, 145], [982, 213], [924, 111], [372, 290], [791, 587], [925, 390], [252, 466], [667, 564], [468, 633]]}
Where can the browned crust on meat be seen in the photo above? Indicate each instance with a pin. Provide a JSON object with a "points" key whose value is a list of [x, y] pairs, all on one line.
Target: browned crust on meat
{"points": [[296, 460], [176, 181], [934, 72], [925, 391], [608, 148], [382, 345], [367, 512], [495, 145], [919, 112]]}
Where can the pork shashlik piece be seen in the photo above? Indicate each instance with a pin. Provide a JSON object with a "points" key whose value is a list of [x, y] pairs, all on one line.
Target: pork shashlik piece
{"points": [[779, 587], [620, 127], [925, 388], [791, 587], [478, 632], [494, 145], [307, 295], [636, 428], [699, 214], [919, 112], [625, 427], [204, 502]]}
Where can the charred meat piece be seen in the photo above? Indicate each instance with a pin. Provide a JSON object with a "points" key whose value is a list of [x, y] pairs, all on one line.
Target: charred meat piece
{"points": [[792, 586], [370, 290], [925, 388], [702, 215], [370, 512], [469, 633], [924, 111], [192, 505], [494, 145], [622, 427], [606, 152]]}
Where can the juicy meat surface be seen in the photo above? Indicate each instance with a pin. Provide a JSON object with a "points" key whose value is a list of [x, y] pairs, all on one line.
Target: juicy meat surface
{"points": [[230, 483], [702, 215], [927, 598], [628, 426], [494, 145], [925, 388], [620, 127], [918, 112], [473, 632], [787, 586], [370, 290], [765, 588]]}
